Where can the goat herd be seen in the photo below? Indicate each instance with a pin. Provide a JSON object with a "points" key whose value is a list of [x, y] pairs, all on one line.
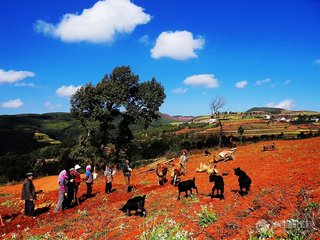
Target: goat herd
{"points": [[136, 204]]}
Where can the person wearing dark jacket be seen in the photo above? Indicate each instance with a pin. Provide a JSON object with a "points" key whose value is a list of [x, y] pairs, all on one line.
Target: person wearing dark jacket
{"points": [[28, 194]]}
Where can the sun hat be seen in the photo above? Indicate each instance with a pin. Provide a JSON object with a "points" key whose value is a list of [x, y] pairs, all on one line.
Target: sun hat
{"points": [[29, 174], [76, 167]]}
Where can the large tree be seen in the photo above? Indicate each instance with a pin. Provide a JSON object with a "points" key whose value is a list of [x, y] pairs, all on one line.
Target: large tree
{"points": [[215, 105], [109, 109]]}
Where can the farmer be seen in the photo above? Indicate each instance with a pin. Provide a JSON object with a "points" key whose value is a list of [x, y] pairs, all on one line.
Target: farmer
{"points": [[62, 181], [108, 175], [28, 194], [89, 180], [127, 174], [70, 187], [183, 161], [77, 181]]}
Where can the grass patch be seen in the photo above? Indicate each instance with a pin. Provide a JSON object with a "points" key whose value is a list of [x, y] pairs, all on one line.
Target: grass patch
{"points": [[192, 199], [207, 216], [168, 229], [7, 203]]}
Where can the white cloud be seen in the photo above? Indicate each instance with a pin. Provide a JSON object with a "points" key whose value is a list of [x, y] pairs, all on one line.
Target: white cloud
{"points": [[49, 105], [179, 45], [206, 80], [179, 90], [15, 103], [261, 82], [67, 91], [12, 76], [285, 104], [241, 84], [286, 82], [316, 62], [98, 24], [23, 84]]}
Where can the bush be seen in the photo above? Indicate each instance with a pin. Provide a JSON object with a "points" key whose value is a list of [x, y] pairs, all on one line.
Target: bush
{"points": [[207, 216]]}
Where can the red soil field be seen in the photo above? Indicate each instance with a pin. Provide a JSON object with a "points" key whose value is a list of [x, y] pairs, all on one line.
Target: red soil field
{"points": [[285, 182]]}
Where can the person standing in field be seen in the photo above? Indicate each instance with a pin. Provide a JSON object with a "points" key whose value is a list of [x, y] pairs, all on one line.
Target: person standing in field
{"points": [[183, 161], [77, 181], [70, 187], [89, 180], [108, 175], [28, 194], [127, 175], [62, 181]]}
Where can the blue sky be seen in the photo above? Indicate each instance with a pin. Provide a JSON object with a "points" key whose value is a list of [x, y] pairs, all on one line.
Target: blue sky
{"points": [[253, 53]]}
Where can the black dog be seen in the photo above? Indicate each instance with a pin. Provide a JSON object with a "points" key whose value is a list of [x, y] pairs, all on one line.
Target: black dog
{"points": [[136, 204], [244, 180], [187, 185], [218, 185]]}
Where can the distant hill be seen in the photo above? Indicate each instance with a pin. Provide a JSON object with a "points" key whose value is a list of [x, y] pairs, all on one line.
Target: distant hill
{"points": [[24, 132], [166, 118], [18, 131], [265, 109], [183, 118], [281, 111]]}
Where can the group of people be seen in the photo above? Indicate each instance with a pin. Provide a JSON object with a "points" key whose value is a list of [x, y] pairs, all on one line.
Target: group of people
{"points": [[69, 182], [110, 172], [68, 188]]}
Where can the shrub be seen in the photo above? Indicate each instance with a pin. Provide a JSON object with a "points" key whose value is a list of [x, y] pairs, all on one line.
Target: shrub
{"points": [[207, 216]]}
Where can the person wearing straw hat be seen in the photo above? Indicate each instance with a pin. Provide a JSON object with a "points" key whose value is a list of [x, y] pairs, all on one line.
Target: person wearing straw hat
{"points": [[28, 194]]}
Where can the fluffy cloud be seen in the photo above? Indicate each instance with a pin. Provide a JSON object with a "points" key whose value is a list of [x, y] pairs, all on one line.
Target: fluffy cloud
{"points": [[179, 90], [179, 45], [67, 91], [262, 82], [98, 24], [15, 103], [12, 76], [206, 80], [285, 104], [316, 62], [241, 84]]}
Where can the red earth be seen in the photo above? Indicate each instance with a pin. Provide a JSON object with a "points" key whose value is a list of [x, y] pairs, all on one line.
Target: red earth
{"points": [[285, 185]]}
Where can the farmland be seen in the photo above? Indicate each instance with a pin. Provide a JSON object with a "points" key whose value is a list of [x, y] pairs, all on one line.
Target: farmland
{"points": [[285, 188]]}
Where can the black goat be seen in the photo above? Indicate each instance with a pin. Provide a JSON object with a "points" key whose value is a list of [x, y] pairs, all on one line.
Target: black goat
{"points": [[136, 204], [244, 180], [218, 185], [187, 185]]}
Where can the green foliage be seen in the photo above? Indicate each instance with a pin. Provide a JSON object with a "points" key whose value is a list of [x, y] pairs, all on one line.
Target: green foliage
{"points": [[7, 203], [207, 216], [108, 110]]}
